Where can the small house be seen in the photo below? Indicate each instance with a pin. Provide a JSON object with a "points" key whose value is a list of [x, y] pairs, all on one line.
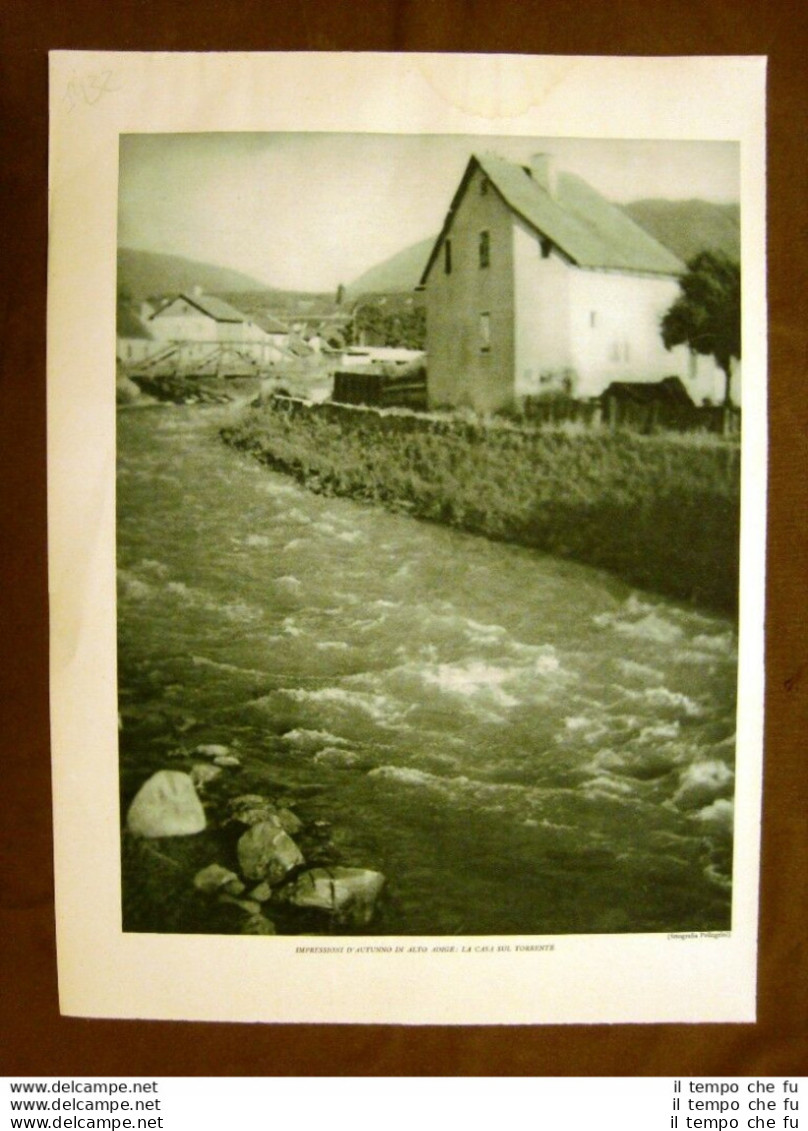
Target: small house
{"points": [[538, 285], [196, 322]]}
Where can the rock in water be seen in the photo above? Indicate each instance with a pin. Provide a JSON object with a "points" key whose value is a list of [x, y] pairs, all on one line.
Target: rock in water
{"points": [[215, 878], [348, 893], [264, 815], [226, 760], [167, 805], [290, 822], [212, 750], [202, 773], [266, 852], [258, 925]]}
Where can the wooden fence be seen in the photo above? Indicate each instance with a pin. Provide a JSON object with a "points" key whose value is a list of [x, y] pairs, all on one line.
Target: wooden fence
{"points": [[615, 412], [381, 390]]}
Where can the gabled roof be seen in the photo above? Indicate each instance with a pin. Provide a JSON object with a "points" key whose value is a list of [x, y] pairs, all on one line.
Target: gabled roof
{"points": [[215, 308], [579, 222]]}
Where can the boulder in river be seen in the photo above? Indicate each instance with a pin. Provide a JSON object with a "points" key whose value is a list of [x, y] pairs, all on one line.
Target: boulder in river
{"points": [[226, 760], [212, 750], [166, 805], [216, 878], [258, 925], [266, 852], [290, 822], [349, 894], [258, 815], [202, 774], [261, 892]]}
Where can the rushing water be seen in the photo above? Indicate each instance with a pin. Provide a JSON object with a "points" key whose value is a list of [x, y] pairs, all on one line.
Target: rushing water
{"points": [[521, 744]]}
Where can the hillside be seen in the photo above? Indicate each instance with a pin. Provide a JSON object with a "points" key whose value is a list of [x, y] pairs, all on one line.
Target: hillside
{"points": [[401, 272], [689, 226], [144, 273]]}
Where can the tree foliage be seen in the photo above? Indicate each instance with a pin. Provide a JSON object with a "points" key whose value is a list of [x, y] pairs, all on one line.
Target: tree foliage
{"points": [[706, 316], [404, 328]]}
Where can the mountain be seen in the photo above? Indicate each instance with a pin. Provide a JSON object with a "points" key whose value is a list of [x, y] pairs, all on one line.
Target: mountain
{"points": [[689, 226], [402, 272], [144, 273]]}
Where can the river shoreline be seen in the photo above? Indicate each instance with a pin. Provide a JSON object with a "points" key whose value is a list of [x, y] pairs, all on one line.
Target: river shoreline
{"points": [[660, 512]]}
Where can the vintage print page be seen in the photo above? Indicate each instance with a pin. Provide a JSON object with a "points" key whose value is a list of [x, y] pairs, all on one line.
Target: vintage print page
{"points": [[407, 499]]}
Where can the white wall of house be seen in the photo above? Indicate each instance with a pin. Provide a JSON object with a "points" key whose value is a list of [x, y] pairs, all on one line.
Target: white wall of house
{"points": [[595, 327], [615, 329], [542, 347]]}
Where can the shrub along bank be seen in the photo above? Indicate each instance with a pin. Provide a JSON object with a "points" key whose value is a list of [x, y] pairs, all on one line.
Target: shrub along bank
{"points": [[662, 511]]}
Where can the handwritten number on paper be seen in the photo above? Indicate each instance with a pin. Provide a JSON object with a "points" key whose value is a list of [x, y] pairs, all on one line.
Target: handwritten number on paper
{"points": [[89, 89]]}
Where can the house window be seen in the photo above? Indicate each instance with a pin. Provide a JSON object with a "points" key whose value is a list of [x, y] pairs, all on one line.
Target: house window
{"points": [[485, 248], [545, 246], [483, 186], [447, 257], [593, 318], [485, 333]]}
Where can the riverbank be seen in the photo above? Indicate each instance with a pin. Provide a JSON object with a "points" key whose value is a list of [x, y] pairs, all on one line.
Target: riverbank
{"points": [[662, 512], [212, 845]]}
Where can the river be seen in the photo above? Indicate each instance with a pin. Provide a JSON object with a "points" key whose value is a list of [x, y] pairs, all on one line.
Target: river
{"points": [[522, 745]]}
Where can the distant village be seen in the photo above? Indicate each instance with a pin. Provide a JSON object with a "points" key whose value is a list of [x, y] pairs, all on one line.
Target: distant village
{"points": [[536, 289]]}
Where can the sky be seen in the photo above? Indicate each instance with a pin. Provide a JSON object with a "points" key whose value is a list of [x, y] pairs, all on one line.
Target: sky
{"points": [[309, 211]]}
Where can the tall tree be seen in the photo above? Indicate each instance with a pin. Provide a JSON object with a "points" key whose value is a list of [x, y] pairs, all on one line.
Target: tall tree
{"points": [[706, 316]]}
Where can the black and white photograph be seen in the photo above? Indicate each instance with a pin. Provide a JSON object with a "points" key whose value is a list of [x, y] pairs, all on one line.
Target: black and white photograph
{"points": [[406, 520], [428, 463]]}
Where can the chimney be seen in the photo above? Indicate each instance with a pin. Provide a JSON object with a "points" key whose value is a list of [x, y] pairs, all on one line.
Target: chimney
{"points": [[196, 291], [543, 171]]}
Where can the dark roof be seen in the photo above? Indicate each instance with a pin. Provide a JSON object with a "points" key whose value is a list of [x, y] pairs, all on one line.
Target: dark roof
{"points": [[129, 325], [669, 389], [215, 308], [579, 222]]}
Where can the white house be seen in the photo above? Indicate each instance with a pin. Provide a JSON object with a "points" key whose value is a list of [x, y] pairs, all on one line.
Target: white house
{"points": [[197, 322], [536, 284]]}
